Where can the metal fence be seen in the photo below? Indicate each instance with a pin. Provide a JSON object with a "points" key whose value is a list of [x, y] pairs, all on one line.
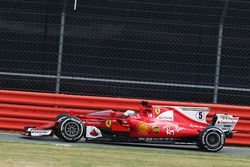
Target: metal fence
{"points": [[181, 50]]}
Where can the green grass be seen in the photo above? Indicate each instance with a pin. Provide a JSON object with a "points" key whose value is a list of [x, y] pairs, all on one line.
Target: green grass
{"points": [[41, 155]]}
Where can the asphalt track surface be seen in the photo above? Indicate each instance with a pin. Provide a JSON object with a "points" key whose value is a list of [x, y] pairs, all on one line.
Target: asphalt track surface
{"points": [[13, 137]]}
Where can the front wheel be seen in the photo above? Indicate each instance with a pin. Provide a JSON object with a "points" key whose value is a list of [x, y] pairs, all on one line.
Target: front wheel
{"points": [[211, 139], [57, 119], [71, 129]]}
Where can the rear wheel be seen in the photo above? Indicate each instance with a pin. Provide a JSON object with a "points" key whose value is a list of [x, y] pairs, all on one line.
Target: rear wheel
{"points": [[70, 129], [211, 139]]}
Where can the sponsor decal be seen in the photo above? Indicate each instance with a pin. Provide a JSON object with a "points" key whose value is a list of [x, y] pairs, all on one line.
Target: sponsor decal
{"points": [[108, 123], [93, 122], [156, 129], [171, 130], [93, 132], [157, 111], [227, 117], [167, 115], [40, 132], [157, 139], [226, 128], [142, 128], [177, 128], [220, 121], [226, 122], [195, 126], [194, 108]]}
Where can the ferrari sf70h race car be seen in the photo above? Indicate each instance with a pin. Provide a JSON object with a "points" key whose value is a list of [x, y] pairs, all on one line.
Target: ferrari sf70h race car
{"points": [[152, 123]]}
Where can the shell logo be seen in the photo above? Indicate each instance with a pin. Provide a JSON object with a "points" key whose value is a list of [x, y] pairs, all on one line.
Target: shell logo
{"points": [[142, 128]]}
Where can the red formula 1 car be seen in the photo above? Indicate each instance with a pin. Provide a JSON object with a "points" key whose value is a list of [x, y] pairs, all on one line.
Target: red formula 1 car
{"points": [[152, 123]]}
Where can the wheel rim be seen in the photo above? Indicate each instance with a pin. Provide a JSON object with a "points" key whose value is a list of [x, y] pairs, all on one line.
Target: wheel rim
{"points": [[213, 139], [72, 129]]}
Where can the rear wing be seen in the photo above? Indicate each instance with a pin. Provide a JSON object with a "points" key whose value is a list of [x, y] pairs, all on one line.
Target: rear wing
{"points": [[225, 122]]}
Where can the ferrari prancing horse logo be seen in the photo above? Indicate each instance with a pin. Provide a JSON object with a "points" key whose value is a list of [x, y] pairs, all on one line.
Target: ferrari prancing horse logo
{"points": [[108, 123], [157, 111]]}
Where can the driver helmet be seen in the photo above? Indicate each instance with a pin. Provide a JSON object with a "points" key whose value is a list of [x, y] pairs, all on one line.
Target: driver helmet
{"points": [[129, 113]]}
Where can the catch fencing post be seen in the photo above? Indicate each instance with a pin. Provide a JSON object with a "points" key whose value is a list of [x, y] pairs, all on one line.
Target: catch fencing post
{"points": [[219, 50], [60, 50]]}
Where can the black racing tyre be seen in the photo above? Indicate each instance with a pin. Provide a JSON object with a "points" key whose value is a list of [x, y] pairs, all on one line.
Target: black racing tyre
{"points": [[70, 129], [211, 139], [61, 116]]}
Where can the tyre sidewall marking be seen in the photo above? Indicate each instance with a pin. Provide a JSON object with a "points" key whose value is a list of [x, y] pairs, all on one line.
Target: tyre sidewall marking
{"points": [[220, 133], [80, 126]]}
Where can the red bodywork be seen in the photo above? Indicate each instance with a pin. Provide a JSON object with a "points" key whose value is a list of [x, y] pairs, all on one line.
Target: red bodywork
{"points": [[151, 124], [146, 124]]}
